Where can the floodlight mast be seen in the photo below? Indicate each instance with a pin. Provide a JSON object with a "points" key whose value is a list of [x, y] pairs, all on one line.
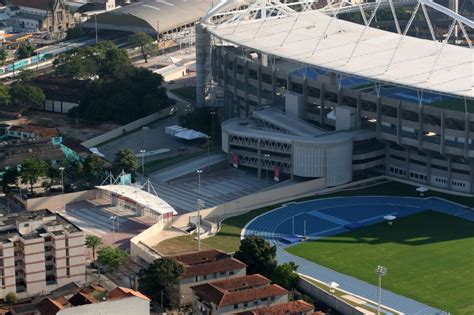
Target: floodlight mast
{"points": [[380, 271]]}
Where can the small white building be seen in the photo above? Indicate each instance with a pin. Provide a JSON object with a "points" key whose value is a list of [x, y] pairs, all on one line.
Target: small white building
{"points": [[136, 200]]}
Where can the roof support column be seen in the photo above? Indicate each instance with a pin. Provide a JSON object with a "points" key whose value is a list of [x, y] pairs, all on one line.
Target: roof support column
{"points": [[322, 101], [472, 176], [399, 122], [234, 84], [428, 167], [273, 85], [246, 89], [305, 98], [466, 136], [378, 123], [443, 132], [259, 83], [407, 162], [359, 103], [420, 127], [202, 50], [259, 157], [450, 170]]}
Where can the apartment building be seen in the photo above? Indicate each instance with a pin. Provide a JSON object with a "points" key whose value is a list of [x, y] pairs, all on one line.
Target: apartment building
{"points": [[205, 266], [236, 295], [39, 252]]}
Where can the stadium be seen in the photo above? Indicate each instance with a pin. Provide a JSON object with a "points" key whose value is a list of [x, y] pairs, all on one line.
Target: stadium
{"points": [[309, 95]]}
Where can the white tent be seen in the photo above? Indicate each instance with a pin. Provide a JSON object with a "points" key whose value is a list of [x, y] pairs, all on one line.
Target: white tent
{"points": [[189, 134]]}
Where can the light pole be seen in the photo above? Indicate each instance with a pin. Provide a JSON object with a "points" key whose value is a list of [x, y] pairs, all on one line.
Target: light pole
{"points": [[61, 169], [143, 161], [208, 142], [113, 218], [266, 156], [380, 271], [144, 128], [200, 203], [213, 114]]}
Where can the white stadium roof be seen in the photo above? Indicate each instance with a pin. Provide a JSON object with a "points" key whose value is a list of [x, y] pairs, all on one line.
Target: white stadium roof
{"points": [[141, 197], [415, 64]]}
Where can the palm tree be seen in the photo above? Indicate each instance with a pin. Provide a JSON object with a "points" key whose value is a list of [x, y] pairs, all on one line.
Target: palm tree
{"points": [[93, 242]]}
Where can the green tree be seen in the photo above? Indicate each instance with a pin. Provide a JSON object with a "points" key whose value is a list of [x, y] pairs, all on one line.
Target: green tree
{"points": [[161, 279], [78, 169], [31, 170], [136, 93], [25, 50], [142, 40], [53, 173], [75, 32], [285, 275], [115, 63], [93, 242], [11, 298], [111, 258], [126, 161], [26, 75], [27, 94], [10, 177], [93, 167], [5, 96], [258, 254], [3, 56]]}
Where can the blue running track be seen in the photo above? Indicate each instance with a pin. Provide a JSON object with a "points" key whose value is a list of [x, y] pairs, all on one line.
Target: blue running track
{"points": [[330, 216]]}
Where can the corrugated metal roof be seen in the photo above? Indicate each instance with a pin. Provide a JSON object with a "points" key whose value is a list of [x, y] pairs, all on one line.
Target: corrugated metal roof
{"points": [[152, 16]]}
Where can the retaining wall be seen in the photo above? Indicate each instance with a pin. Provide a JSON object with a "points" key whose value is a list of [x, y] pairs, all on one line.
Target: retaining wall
{"points": [[327, 298], [134, 125], [56, 202]]}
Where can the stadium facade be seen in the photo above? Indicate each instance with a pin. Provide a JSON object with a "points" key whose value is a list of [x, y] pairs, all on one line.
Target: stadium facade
{"points": [[310, 96]]}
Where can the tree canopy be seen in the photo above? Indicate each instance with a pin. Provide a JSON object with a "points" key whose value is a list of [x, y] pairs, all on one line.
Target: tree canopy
{"points": [[112, 257], [136, 94], [260, 257], [93, 242], [125, 160], [93, 167], [3, 56], [142, 40], [31, 170], [258, 254], [25, 50], [5, 96], [161, 279], [27, 94], [9, 177]]}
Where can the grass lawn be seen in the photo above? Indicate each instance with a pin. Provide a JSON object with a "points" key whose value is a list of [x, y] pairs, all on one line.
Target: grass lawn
{"points": [[228, 238], [429, 256], [187, 92]]}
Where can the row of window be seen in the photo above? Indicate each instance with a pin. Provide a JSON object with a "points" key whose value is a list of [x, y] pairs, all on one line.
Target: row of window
{"points": [[214, 275], [255, 303]]}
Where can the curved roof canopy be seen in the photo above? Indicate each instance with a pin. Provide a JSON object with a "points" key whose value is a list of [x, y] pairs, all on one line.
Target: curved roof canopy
{"points": [[152, 16], [416, 63]]}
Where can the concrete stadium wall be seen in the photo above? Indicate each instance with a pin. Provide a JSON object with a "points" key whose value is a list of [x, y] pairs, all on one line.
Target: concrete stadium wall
{"points": [[327, 298], [56, 202], [134, 125], [139, 250], [254, 201]]}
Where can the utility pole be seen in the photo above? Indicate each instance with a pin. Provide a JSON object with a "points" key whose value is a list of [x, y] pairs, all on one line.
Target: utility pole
{"points": [[200, 203], [96, 33]]}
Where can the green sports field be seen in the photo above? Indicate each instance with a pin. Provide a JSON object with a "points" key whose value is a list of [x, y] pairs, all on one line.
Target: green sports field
{"points": [[429, 256]]}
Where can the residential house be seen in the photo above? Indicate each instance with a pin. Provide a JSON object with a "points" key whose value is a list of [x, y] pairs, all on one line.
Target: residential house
{"points": [[298, 307], [205, 266], [237, 295]]}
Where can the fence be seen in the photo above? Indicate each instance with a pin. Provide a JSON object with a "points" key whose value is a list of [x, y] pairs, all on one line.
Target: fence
{"points": [[134, 125]]}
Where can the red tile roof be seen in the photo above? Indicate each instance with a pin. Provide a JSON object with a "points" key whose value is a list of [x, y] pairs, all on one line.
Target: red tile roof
{"points": [[290, 308], [207, 262], [227, 264], [49, 307], [81, 298], [201, 257], [39, 131], [238, 290], [120, 292]]}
